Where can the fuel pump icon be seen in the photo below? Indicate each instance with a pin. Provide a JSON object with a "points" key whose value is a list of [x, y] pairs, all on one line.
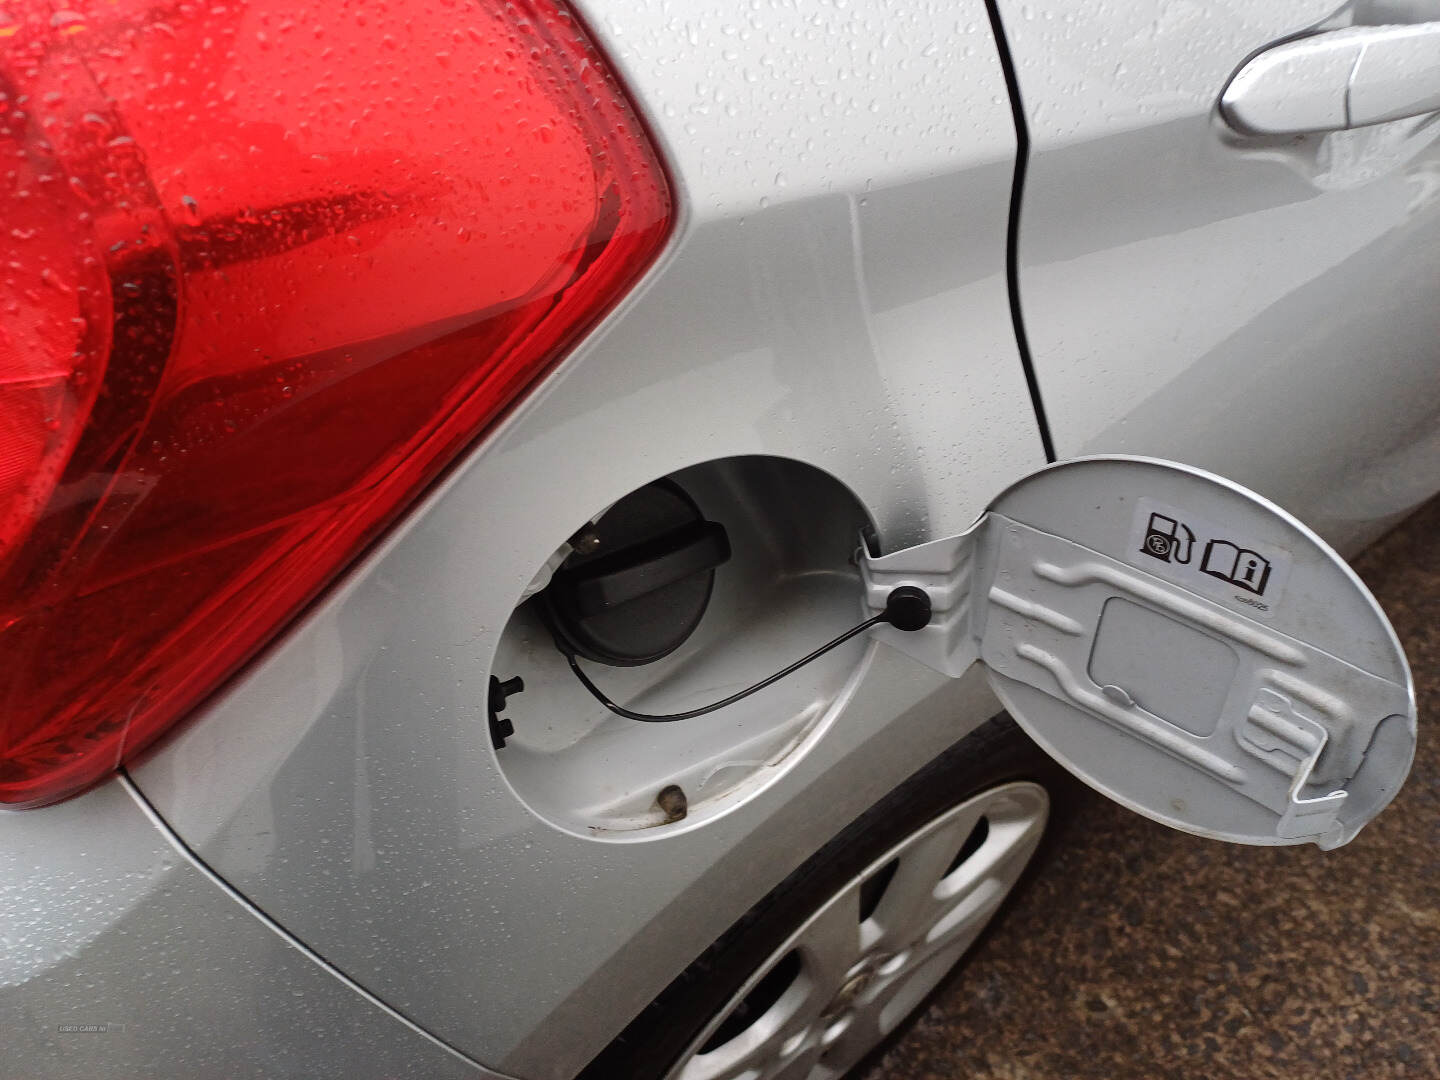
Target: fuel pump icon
{"points": [[1167, 539]]}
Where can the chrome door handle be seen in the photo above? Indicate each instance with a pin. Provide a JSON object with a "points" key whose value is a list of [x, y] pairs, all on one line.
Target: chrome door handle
{"points": [[1337, 80]]}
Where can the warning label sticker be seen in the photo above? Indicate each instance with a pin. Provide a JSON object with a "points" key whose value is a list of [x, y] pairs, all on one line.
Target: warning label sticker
{"points": [[1207, 557]]}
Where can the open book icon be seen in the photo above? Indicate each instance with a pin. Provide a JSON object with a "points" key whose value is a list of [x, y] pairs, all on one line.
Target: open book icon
{"points": [[1237, 565]]}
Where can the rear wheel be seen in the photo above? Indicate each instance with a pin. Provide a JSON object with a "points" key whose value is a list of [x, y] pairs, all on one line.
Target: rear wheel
{"points": [[820, 972]]}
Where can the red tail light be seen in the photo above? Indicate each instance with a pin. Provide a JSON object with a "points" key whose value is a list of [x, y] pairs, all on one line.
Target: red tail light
{"points": [[267, 267]]}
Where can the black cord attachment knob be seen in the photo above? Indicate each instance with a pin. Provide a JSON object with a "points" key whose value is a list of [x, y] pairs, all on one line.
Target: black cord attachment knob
{"points": [[907, 608]]}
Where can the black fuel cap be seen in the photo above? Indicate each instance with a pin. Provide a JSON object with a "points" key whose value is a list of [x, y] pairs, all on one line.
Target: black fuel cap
{"points": [[639, 580]]}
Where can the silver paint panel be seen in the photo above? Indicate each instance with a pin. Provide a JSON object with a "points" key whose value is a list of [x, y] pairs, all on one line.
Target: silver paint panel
{"points": [[835, 294], [1266, 310], [123, 958]]}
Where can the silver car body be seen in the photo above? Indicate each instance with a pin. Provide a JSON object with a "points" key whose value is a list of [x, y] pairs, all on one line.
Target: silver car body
{"points": [[328, 872]]}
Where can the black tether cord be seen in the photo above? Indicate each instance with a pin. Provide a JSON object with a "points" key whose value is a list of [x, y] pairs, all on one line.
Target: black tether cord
{"points": [[665, 718], [908, 608]]}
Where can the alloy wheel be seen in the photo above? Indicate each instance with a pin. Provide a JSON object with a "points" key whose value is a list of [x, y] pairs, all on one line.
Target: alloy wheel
{"points": [[867, 956]]}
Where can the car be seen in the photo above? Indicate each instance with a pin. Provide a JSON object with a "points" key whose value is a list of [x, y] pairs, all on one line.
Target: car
{"points": [[559, 541]]}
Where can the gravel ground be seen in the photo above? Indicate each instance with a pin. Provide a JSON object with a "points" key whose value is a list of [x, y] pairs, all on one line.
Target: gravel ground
{"points": [[1142, 952]]}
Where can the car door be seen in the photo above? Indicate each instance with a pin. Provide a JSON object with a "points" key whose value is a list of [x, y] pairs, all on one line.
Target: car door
{"points": [[1262, 305]]}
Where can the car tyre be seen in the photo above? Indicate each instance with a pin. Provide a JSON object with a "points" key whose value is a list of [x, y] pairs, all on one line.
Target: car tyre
{"points": [[828, 966]]}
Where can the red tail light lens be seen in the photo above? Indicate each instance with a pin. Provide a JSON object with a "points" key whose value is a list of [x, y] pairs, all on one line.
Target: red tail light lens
{"points": [[267, 267]]}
